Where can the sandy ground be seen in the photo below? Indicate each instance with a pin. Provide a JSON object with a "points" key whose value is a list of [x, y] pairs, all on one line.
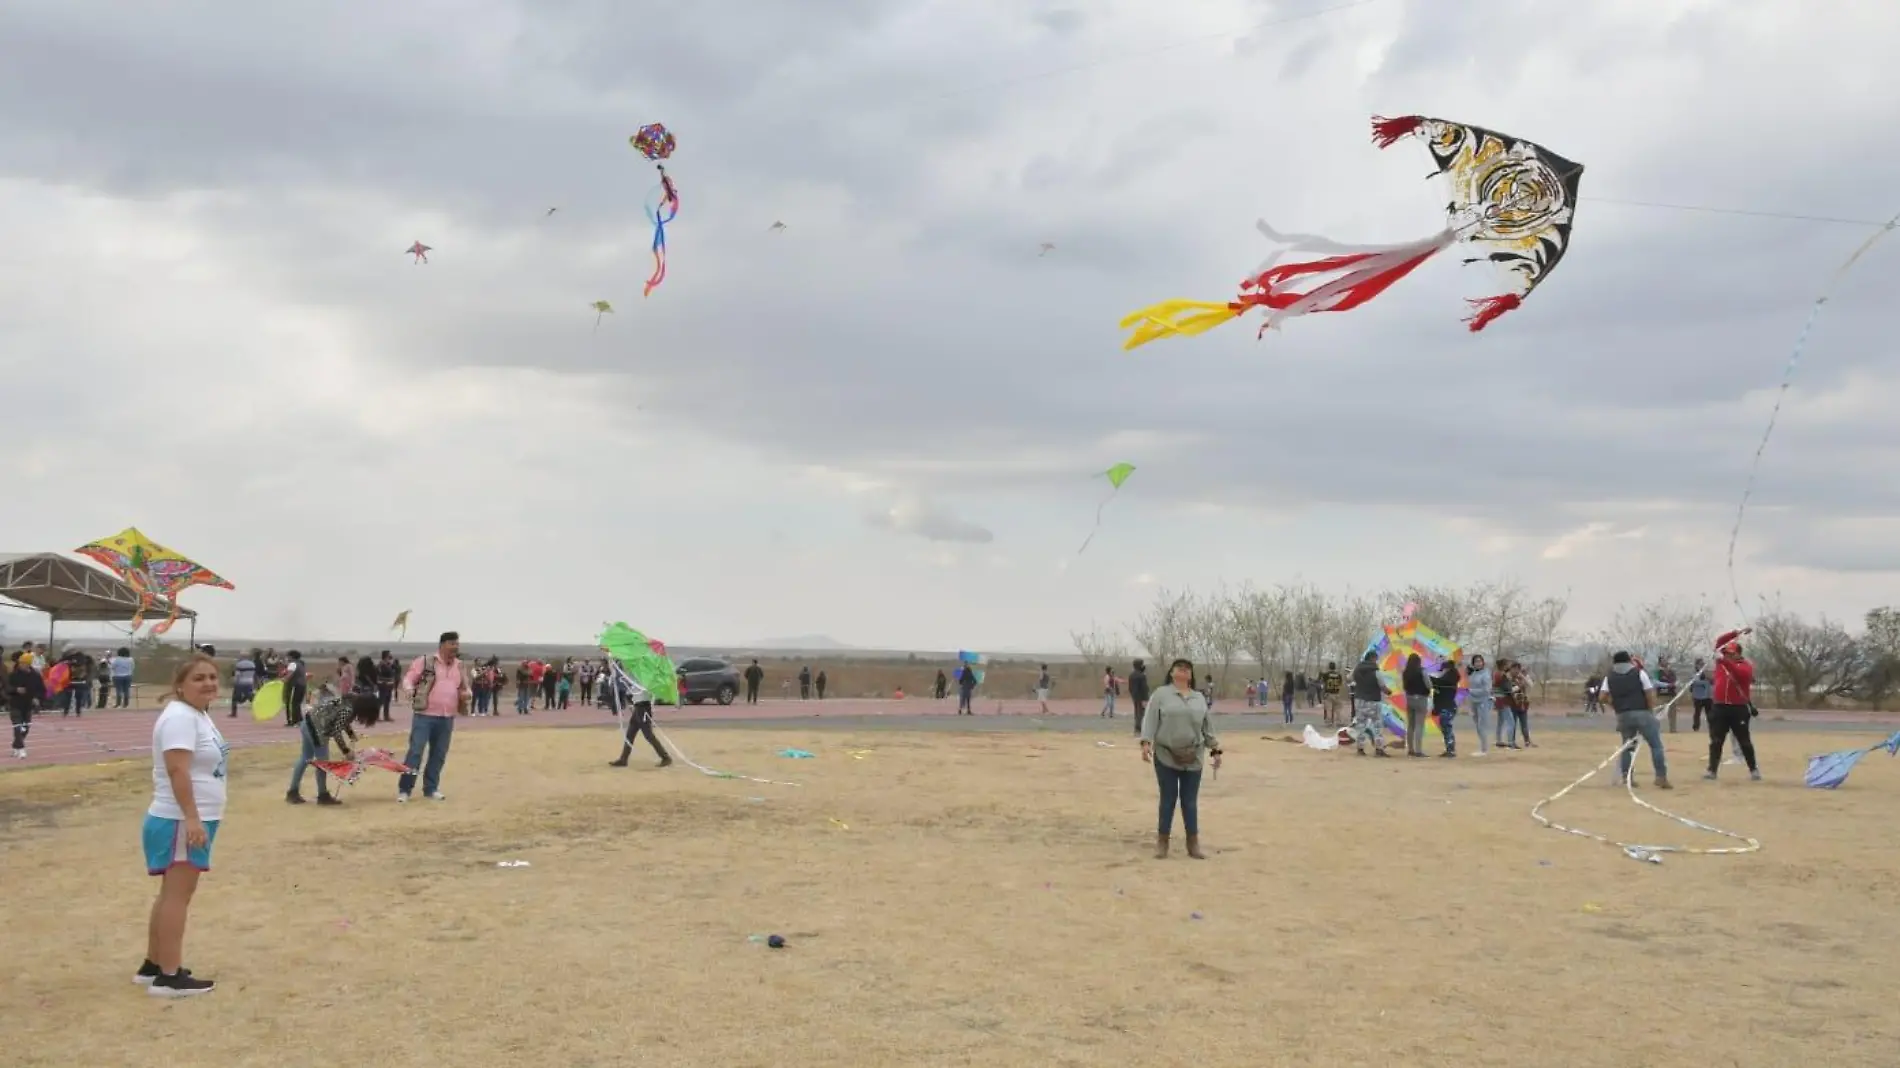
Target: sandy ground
{"points": [[964, 899]]}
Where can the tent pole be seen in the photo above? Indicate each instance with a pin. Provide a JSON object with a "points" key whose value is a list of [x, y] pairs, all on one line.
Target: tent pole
{"points": [[52, 624], [194, 634]]}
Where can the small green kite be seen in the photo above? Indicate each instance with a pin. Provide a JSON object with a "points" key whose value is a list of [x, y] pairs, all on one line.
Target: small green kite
{"points": [[1116, 476], [645, 660], [601, 308]]}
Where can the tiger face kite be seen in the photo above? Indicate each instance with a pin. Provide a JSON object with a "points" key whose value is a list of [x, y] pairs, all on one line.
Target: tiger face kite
{"points": [[1514, 199]]}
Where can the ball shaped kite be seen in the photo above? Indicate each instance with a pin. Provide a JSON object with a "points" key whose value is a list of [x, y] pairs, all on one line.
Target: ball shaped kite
{"points": [[654, 141]]}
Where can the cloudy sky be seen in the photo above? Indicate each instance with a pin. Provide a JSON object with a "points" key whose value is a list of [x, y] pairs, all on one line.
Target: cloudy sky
{"points": [[881, 423]]}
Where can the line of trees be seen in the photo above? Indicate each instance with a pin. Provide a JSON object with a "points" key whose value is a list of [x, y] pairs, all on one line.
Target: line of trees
{"points": [[1299, 627]]}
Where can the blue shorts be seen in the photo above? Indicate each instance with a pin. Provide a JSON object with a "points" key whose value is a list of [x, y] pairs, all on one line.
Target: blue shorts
{"points": [[165, 845]]}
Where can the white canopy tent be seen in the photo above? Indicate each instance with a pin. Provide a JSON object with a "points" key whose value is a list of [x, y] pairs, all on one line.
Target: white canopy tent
{"points": [[66, 589]]}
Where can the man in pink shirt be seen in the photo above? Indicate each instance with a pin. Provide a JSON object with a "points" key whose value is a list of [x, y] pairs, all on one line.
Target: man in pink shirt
{"points": [[444, 685]]}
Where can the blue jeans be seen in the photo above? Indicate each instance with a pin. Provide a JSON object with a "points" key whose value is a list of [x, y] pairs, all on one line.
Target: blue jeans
{"points": [[1286, 706], [1444, 718], [82, 697], [434, 733], [122, 691], [1641, 722], [482, 696], [311, 751], [1181, 786], [1507, 726]]}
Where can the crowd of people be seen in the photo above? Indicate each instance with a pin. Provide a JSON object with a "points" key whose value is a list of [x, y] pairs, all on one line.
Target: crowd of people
{"points": [[1173, 722]]}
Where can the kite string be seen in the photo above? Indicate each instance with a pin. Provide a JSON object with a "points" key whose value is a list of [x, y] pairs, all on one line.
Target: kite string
{"points": [[1636, 851], [1098, 518], [630, 725], [1787, 379]]}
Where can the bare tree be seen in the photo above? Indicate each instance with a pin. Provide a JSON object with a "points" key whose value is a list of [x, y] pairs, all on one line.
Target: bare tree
{"points": [[1099, 647], [1446, 609], [1308, 626], [1812, 660], [1260, 620], [1659, 629], [1217, 634], [1502, 616], [1880, 651], [1353, 621], [1543, 622], [1162, 630]]}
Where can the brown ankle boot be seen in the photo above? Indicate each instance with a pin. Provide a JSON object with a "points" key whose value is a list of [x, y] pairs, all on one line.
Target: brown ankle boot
{"points": [[1194, 847], [1161, 847]]}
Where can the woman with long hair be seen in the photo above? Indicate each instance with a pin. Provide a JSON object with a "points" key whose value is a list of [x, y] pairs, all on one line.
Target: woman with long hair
{"points": [[1521, 707], [334, 719], [1478, 681], [189, 759], [1418, 693], [1286, 697], [1176, 734]]}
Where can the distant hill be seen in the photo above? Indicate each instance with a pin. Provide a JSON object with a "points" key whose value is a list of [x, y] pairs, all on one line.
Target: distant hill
{"points": [[802, 643]]}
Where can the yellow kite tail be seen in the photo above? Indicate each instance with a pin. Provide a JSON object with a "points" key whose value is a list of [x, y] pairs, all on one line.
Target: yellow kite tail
{"points": [[1172, 318]]}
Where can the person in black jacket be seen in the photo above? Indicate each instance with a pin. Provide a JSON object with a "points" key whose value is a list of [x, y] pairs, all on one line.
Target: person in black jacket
{"points": [[1138, 692], [1368, 705], [1445, 705], [753, 676], [1418, 693], [25, 691]]}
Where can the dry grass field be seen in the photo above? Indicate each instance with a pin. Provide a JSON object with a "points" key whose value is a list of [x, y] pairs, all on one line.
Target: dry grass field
{"points": [[980, 899]]}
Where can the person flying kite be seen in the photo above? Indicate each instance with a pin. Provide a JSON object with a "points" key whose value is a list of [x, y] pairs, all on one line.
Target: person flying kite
{"points": [[1514, 199]]}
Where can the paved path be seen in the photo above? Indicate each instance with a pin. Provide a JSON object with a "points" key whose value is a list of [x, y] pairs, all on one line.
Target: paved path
{"points": [[111, 735]]}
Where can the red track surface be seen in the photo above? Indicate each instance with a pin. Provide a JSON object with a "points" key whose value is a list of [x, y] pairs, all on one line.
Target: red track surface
{"points": [[122, 734]]}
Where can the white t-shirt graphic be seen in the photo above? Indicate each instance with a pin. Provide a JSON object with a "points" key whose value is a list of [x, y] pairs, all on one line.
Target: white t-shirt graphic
{"points": [[181, 726]]}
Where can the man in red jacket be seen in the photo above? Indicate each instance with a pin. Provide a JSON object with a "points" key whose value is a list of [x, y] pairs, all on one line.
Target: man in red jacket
{"points": [[1734, 683]]}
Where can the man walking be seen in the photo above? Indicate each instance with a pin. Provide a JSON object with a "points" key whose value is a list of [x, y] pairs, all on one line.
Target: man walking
{"points": [[1734, 705], [1368, 705], [753, 676], [388, 672], [1138, 692], [439, 685], [804, 683], [1632, 698], [622, 688], [1042, 689], [1332, 684]]}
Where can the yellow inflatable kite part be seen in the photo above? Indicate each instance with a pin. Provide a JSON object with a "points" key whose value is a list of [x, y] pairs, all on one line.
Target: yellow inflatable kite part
{"points": [[1172, 318]]}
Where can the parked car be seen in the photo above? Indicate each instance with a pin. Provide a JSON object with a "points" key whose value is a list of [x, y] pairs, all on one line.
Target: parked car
{"points": [[704, 677]]}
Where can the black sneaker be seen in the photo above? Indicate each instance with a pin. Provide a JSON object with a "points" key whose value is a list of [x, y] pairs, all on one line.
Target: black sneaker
{"points": [[149, 971], [329, 799], [294, 797], [182, 985]]}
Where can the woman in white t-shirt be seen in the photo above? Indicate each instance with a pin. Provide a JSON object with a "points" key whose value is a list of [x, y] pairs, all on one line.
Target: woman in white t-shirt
{"points": [[188, 789]]}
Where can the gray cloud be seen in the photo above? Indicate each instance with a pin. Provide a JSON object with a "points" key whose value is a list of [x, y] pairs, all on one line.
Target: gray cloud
{"points": [[930, 522], [234, 211]]}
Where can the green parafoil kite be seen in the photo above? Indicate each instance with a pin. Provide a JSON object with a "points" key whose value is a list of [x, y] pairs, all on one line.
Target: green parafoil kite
{"points": [[1116, 476], [645, 660]]}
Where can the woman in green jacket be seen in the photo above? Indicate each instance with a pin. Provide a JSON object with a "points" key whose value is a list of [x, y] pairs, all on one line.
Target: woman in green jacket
{"points": [[1175, 736]]}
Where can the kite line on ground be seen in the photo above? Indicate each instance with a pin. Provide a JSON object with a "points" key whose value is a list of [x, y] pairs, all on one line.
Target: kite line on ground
{"points": [[1636, 851]]}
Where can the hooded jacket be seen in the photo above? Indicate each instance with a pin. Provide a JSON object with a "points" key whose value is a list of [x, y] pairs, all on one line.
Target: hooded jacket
{"points": [[1478, 681], [1734, 675], [1445, 688], [1366, 685]]}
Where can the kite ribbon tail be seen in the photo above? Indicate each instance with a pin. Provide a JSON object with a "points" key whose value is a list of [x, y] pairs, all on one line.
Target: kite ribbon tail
{"points": [[1176, 318], [1098, 520]]}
